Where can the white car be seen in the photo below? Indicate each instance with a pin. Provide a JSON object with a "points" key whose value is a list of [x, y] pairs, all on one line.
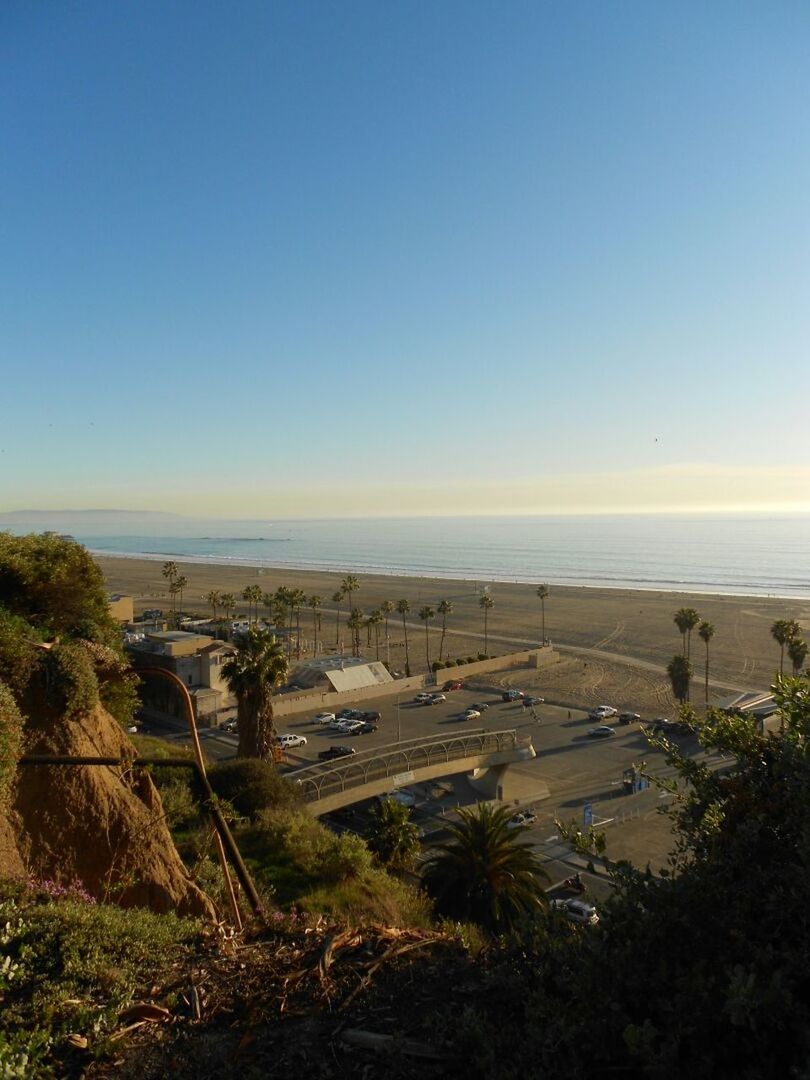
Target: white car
{"points": [[526, 817], [434, 699], [287, 741], [602, 712], [348, 727], [604, 731], [471, 714], [423, 697], [577, 911], [324, 718]]}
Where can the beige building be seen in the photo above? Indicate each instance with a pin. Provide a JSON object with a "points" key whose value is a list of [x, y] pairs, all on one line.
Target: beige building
{"points": [[340, 673], [196, 660]]}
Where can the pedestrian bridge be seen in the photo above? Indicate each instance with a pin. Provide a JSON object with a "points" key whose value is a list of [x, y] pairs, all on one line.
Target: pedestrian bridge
{"points": [[484, 755]]}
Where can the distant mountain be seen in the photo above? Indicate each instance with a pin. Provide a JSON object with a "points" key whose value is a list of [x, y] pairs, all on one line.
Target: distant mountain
{"points": [[84, 517]]}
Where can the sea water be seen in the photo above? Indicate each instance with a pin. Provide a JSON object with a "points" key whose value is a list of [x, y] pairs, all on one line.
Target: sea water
{"points": [[735, 554]]}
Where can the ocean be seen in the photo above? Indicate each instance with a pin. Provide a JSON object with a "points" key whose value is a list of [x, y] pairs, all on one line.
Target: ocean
{"points": [[766, 555]]}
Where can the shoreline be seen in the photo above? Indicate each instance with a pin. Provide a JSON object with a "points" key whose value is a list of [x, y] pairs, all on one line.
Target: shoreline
{"points": [[700, 589], [626, 622]]}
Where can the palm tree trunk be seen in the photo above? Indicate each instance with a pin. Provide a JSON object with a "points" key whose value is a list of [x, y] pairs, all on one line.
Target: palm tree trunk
{"points": [[444, 631], [377, 639], [707, 675], [337, 626], [407, 656], [314, 632], [298, 633], [781, 659], [543, 607], [427, 646]]}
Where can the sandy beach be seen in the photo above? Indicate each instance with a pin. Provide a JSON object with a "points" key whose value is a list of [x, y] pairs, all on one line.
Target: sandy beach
{"points": [[613, 641]]}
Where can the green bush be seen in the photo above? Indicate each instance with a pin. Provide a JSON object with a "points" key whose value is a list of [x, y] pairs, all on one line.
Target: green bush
{"points": [[437, 665], [460, 662], [67, 965], [11, 726], [71, 683], [251, 786], [483, 656], [470, 659]]}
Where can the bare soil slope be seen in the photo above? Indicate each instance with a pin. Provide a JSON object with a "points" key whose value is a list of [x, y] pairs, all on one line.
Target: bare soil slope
{"points": [[97, 824]]}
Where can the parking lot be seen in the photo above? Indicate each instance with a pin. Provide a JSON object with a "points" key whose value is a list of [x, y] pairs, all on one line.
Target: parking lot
{"points": [[570, 772]]}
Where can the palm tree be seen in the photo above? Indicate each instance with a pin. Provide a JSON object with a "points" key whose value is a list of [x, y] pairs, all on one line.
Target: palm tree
{"points": [[392, 836], [374, 619], [445, 608], [297, 599], [542, 592], [283, 609], [181, 582], [797, 651], [781, 634], [255, 669], [355, 624], [386, 607], [337, 599], [174, 589], [706, 632], [686, 619], [403, 608], [252, 595], [680, 674], [350, 584], [315, 603], [426, 614], [486, 873], [228, 602], [170, 571], [213, 600], [487, 603]]}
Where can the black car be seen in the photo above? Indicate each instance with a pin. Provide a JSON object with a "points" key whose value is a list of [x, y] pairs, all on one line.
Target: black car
{"points": [[371, 717], [479, 706], [628, 717], [336, 752], [512, 695], [530, 702], [349, 714], [368, 727]]}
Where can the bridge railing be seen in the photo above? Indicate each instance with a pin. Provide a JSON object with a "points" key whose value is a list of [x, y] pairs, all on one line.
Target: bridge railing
{"points": [[318, 781]]}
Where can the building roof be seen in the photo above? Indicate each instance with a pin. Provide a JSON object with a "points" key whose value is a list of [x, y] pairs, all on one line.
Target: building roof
{"points": [[359, 676]]}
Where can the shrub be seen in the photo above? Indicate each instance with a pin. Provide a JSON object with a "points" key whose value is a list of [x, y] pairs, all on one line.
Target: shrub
{"points": [[251, 786], [71, 683], [437, 665], [460, 662], [470, 659], [11, 724], [483, 656]]}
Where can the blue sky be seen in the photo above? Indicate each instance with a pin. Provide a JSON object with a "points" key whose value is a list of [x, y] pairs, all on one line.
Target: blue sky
{"points": [[301, 258]]}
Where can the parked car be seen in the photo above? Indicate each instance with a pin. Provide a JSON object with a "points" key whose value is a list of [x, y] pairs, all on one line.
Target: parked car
{"points": [[349, 714], [348, 727], [336, 752], [229, 726], [324, 718], [480, 705], [454, 684], [530, 702], [525, 817], [371, 717], [513, 695], [602, 712], [628, 717], [434, 699], [423, 696], [471, 714], [287, 741], [577, 911], [662, 725], [601, 732], [367, 727], [152, 613]]}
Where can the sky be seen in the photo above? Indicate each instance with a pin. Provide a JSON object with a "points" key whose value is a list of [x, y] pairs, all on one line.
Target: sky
{"points": [[307, 259]]}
